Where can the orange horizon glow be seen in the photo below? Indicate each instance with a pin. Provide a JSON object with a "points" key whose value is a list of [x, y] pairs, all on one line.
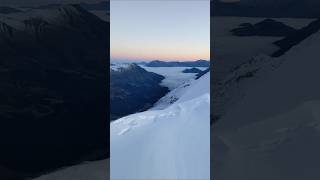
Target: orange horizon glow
{"points": [[169, 31], [170, 55]]}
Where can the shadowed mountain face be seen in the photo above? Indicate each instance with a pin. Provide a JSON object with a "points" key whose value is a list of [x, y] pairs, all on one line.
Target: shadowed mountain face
{"points": [[133, 89], [267, 8], [53, 92]]}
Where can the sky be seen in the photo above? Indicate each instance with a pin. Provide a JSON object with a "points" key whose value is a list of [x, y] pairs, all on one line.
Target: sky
{"points": [[175, 30]]}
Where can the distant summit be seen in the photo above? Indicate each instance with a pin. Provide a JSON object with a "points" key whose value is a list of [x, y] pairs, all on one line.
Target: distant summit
{"points": [[198, 63], [267, 27]]}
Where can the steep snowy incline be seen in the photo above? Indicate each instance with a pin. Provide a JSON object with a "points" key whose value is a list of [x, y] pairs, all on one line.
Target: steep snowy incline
{"points": [[172, 143], [293, 83], [273, 131]]}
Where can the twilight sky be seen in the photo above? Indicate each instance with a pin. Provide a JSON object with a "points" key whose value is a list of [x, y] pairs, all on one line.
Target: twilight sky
{"points": [[160, 29]]}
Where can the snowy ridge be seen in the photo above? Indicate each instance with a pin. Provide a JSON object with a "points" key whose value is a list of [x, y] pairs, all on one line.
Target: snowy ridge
{"points": [[276, 122], [172, 96], [177, 81], [233, 87], [172, 143], [119, 66]]}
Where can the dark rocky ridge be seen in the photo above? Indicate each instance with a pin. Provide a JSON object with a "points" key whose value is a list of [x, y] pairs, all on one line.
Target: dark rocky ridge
{"points": [[53, 92], [199, 75], [267, 27], [133, 89], [192, 70], [295, 38]]}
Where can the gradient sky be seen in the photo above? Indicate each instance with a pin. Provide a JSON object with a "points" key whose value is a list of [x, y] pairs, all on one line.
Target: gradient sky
{"points": [[160, 29]]}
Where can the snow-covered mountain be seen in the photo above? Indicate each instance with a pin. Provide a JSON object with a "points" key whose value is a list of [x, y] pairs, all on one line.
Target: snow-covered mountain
{"points": [[172, 143], [133, 89], [268, 125], [53, 89]]}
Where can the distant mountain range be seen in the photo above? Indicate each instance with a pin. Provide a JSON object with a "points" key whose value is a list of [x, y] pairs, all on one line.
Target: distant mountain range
{"points": [[267, 8], [53, 91], [198, 63]]}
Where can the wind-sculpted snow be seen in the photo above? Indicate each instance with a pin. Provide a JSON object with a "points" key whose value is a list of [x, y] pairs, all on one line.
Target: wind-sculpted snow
{"points": [[172, 143]]}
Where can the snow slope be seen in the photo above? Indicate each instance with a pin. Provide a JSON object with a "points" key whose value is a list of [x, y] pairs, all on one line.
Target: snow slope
{"points": [[172, 143], [273, 131], [172, 96], [97, 170], [177, 93]]}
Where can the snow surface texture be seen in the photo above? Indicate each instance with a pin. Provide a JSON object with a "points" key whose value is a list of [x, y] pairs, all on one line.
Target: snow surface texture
{"points": [[173, 143], [273, 131], [174, 77], [172, 96]]}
